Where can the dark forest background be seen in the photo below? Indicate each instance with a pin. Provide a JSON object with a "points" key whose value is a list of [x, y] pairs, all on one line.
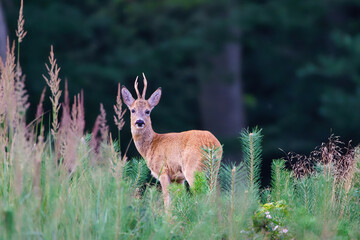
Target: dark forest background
{"points": [[291, 67]]}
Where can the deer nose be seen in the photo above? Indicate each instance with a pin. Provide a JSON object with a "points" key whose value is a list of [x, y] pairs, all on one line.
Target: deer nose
{"points": [[140, 123]]}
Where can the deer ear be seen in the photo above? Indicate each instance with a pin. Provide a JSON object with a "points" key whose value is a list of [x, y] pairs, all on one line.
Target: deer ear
{"points": [[127, 97], [155, 98]]}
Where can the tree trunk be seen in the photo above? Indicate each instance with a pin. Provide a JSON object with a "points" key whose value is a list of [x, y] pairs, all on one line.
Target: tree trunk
{"points": [[3, 33], [221, 96]]}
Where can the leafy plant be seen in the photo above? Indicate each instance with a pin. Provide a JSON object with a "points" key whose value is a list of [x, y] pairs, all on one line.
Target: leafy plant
{"points": [[251, 147], [282, 181], [136, 172], [268, 221], [201, 184], [211, 165]]}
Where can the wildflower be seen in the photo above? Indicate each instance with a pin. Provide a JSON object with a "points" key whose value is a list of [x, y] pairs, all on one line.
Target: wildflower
{"points": [[285, 230], [276, 227], [268, 216]]}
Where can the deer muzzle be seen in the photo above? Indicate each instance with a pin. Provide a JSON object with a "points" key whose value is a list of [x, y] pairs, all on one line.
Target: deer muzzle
{"points": [[139, 123]]}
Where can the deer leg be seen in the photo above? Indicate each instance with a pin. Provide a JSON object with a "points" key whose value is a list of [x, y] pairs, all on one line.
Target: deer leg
{"points": [[165, 181], [190, 171], [190, 177], [191, 165]]}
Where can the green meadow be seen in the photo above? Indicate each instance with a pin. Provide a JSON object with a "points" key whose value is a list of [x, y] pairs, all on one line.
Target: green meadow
{"points": [[58, 181]]}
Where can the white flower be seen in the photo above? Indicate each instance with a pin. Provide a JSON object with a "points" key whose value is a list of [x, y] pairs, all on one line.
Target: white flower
{"points": [[276, 227], [268, 216], [267, 213], [285, 230]]}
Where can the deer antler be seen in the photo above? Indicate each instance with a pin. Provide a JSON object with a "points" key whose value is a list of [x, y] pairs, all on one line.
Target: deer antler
{"points": [[145, 86], [136, 87]]}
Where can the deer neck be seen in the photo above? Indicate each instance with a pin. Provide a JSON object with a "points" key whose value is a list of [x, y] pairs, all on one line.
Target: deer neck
{"points": [[143, 139]]}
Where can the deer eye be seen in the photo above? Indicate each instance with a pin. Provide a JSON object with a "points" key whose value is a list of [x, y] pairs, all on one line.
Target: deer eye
{"points": [[147, 112], [133, 110]]}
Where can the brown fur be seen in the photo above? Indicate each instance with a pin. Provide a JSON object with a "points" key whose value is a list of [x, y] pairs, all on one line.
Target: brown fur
{"points": [[171, 157]]}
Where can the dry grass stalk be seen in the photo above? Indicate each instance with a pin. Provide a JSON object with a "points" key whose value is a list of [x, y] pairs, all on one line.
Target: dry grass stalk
{"points": [[71, 130], [95, 142], [39, 149], [81, 113], [54, 83], [104, 129], [75, 133], [20, 33], [65, 119], [99, 133], [66, 95], [301, 165], [78, 116], [2, 100], [352, 169], [21, 95], [21, 151], [70, 154], [74, 115], [20, 92], [346, 164], [330, 154], [119, 118], [116, 165], [336, 160], [7, 69], [40, 108], [65, 123], [64, 133], [4, 141]]}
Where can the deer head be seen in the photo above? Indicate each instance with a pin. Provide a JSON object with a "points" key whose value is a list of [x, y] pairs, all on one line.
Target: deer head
{"points": [[140, 108]]}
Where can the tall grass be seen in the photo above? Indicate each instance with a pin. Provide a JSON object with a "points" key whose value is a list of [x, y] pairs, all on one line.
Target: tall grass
{"points": [[63, 183]]}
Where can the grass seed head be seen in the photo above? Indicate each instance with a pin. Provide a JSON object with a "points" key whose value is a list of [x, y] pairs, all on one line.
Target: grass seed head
{"points": [[119, 117], [20, 32]]}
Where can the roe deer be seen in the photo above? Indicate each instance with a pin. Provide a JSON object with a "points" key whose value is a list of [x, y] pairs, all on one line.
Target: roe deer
{"points": [[174, 156]]}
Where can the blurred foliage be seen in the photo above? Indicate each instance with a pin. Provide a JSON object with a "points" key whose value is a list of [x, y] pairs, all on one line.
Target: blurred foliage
{"points": [[100, 43], [301, 68], [300, 59]]}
